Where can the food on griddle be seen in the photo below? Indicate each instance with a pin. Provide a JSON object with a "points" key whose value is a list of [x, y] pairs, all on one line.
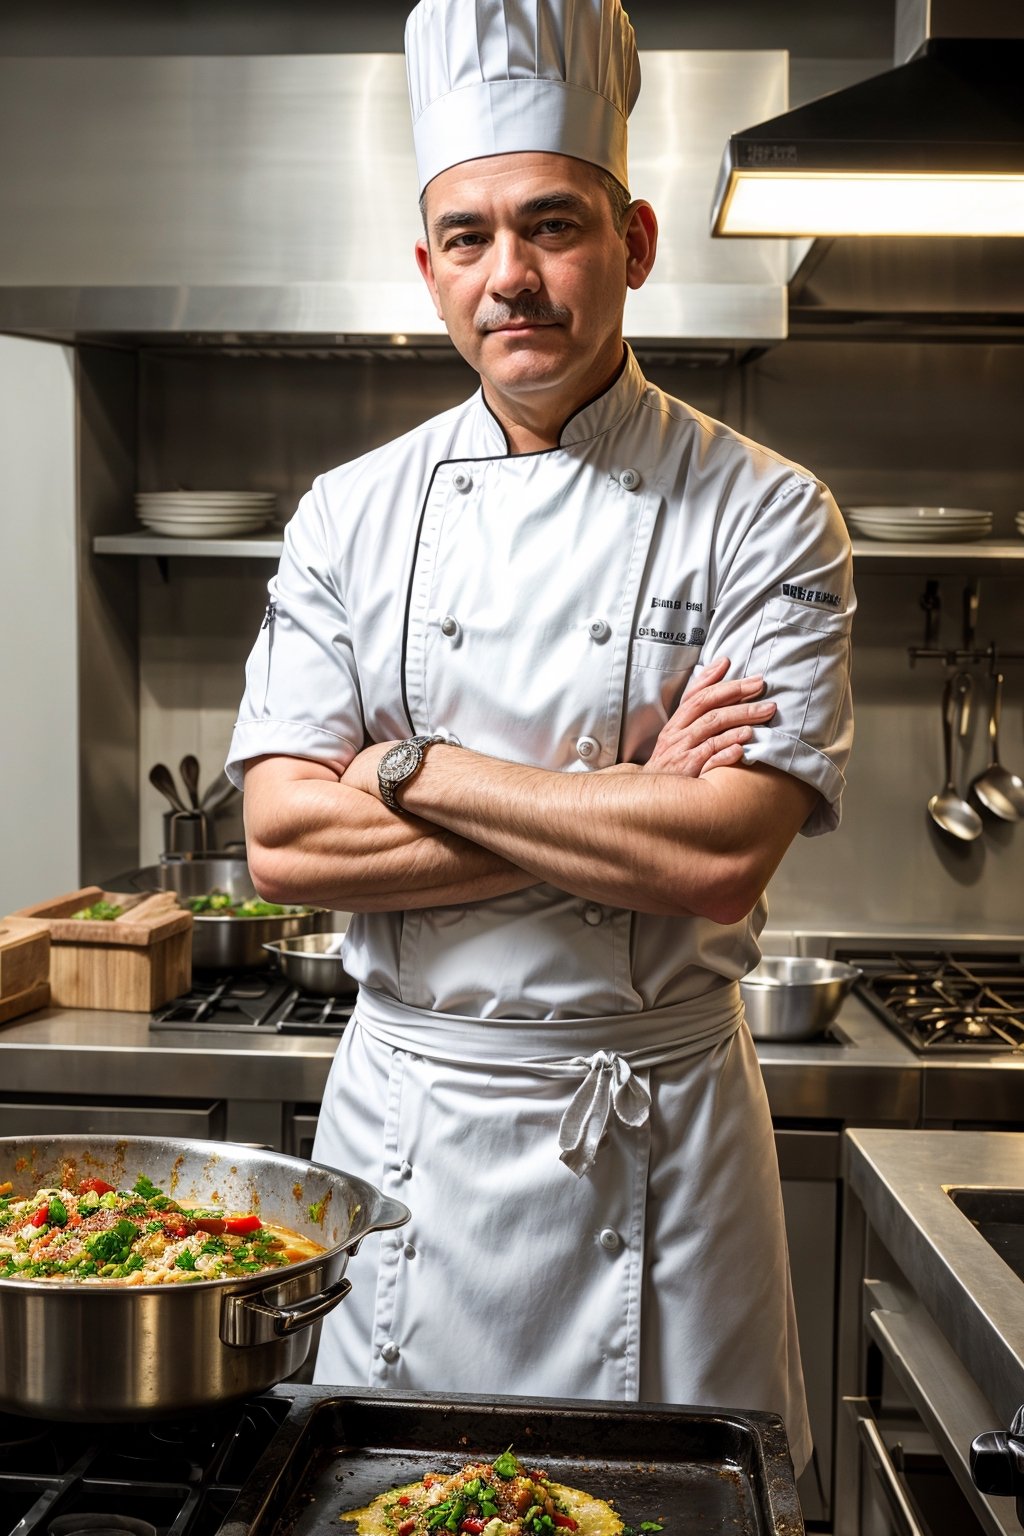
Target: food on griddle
{"points": [[96, 1234], [220, 904], [498, 1498]]}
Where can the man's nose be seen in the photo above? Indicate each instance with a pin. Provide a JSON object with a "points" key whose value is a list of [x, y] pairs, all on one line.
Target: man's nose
{"points": [[513, 270]]}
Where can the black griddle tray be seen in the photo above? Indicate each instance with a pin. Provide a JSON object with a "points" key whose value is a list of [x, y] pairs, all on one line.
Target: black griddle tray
{"points": [[694, 1471]]}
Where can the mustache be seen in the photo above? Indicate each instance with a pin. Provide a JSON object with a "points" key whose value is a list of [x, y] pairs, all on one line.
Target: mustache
{"points": [[526, 311]]}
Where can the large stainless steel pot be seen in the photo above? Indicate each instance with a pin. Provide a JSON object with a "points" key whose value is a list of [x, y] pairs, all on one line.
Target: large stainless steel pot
{"points": [[222, 943], [71, 1350]]}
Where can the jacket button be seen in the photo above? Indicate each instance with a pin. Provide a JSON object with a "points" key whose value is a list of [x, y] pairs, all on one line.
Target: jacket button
{"points": [[410, 1251], [629, 479], [450, 627], [390, 1351], [462, 480], [609, 1239], [593, 914], [406, 1170], [599, 629], [587, 747]]}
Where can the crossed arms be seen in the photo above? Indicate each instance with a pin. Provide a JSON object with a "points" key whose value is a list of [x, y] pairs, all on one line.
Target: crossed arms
{"points": [[694, 830]]}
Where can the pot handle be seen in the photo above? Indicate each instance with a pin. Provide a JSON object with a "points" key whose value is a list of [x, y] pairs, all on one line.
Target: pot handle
{"points": [[249, 1320]]}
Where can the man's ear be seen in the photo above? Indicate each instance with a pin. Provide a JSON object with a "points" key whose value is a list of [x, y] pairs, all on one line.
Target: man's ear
{"points": [[641, 236], [427, 273]]}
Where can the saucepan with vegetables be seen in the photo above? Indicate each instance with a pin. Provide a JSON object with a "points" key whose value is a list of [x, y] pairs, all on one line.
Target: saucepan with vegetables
{"points": [[231, 921], [142, 1276]]}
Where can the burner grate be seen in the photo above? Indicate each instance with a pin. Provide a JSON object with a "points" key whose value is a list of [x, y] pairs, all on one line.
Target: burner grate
{"points": [[946, 1001], [253, 1001], [177, 1479]]}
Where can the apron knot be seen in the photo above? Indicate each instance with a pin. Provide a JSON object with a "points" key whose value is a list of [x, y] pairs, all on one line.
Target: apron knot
{"points": [[610, 1084]]}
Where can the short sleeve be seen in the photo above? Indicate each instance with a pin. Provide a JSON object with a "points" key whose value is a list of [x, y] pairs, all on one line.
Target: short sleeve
{"points": [[301, 694], [784, 609]]}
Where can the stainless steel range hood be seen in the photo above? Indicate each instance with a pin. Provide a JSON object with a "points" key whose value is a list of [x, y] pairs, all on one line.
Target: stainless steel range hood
{"points": [[274, 198], [933, 147]]}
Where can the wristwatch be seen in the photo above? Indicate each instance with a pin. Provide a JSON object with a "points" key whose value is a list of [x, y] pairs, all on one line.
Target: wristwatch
{"points": [[399, 764]]}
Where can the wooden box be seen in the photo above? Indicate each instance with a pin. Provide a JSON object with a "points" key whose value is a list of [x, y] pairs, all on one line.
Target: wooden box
{"points": [[131, 963], [24, 966]]}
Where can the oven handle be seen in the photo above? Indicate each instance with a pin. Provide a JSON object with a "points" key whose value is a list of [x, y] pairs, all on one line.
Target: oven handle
{"points": [[881, 1462]]}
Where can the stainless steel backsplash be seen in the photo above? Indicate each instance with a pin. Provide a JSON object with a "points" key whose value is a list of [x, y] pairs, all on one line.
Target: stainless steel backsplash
{"points": [[880, 423]]}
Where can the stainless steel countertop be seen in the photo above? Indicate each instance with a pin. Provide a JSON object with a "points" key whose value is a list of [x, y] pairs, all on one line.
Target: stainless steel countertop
{"points": [[868, 1075], [901, 1179]]}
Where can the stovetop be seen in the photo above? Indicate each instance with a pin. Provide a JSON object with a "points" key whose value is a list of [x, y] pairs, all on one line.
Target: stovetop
{"points": [[293, 1458], [247, 1002], [176, 1478], [945, 1001]]}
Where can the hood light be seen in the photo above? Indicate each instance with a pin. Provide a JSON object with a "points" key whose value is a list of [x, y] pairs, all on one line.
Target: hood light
{"points": [[932, 147], [810, 203]]}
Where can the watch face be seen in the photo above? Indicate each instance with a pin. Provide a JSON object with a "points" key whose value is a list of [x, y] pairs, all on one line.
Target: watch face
{"points": [[399, 762]]}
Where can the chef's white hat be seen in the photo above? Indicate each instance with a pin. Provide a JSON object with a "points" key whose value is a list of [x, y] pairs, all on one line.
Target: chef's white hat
{"points": [[490, 77]]}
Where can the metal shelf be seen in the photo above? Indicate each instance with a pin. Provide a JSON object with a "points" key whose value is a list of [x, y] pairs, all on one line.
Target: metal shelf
{"points": [[989, 555], [258, 546], [985, 554]]}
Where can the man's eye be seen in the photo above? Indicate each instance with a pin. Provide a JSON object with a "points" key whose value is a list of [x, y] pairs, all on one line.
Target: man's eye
{"points": [[554, 227], [463, 242]]}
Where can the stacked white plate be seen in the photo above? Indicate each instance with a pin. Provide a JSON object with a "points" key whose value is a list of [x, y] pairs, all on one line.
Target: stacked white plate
{"points": [[1018, 520], [204, 514], [920, 525]]}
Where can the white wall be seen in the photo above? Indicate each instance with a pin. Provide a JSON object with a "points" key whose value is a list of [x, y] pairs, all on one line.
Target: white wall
{"points": [[38, 622]]}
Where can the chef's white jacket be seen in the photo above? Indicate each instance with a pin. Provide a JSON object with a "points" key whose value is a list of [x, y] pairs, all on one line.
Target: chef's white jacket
{"points": [[550, 608]]}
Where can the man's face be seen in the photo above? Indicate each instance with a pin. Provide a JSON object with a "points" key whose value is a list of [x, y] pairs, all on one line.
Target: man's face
{"points": [[529, 274]]}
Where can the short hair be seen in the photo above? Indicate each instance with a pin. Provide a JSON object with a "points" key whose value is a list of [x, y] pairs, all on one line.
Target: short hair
{"points": [[616, 193]]}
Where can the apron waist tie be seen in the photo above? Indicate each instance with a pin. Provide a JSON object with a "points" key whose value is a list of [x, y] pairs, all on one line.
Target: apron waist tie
{"points": [[609, 1082]]}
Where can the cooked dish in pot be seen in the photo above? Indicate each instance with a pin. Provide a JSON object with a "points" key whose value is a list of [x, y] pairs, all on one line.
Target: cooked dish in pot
{"points": [[221, 904], [94, 1233], [499, 1498]]}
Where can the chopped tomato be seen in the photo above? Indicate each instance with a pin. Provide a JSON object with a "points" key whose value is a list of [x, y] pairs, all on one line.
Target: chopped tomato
{"points": [[175, 1226], [95, 1187], [566, 1520], [40, 1217], [239, 1225], [406, 1526], [472, 1525], [403, 1499]]}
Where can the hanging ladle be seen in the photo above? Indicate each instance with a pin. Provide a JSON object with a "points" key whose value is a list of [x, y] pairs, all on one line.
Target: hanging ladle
{"points": [[948, 809], [998, 790]]}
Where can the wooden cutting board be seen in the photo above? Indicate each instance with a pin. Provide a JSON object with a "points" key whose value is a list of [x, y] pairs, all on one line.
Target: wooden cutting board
{"points": [[131, 963], [24, 966]]}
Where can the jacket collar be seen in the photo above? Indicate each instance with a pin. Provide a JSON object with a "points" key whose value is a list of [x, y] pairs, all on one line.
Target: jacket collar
{"points": [[590, 419]]}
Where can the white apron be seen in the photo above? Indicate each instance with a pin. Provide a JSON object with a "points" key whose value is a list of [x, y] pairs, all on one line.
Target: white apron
{"points": [[618, 1212]]}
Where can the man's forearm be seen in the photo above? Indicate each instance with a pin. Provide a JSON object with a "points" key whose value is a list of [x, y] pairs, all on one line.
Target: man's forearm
{"points": [[654, 842], [317, 840]]}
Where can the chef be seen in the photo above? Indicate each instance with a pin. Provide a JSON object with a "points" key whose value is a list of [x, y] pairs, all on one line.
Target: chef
{"points": [[504, 707]]}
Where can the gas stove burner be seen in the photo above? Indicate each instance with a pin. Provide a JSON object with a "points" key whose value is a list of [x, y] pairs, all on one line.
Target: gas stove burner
{"points": [[99, 1525], [946, 1001], [250, 1002]]}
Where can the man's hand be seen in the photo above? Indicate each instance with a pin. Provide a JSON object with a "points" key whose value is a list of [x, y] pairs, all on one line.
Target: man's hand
{"points": [[711, 725]]}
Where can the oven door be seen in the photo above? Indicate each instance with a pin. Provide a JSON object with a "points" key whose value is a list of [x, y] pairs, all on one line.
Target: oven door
{"points": [[915, 1429]]}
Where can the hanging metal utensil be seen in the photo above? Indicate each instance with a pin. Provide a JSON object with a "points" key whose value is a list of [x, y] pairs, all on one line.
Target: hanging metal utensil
{"points": [[948, 809], [999, 791]]}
